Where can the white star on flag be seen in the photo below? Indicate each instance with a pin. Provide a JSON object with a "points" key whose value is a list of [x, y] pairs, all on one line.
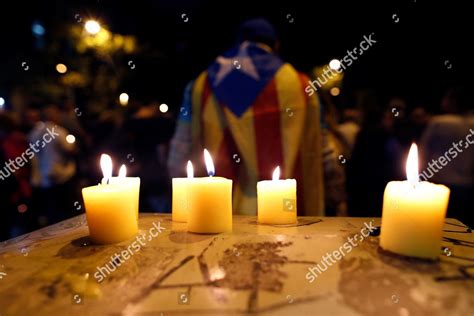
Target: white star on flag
{"points": [[227, 64]]}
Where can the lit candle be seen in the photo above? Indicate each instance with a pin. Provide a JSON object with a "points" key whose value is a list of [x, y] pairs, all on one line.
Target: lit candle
{"points": [[180, 202], [122, 172], [413, 214], [134, 182], [111, 208], [210, 202], [276, 200]]}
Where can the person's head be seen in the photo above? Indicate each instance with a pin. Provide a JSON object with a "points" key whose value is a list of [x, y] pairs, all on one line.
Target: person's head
{"points": [[52, 113], [397, 106], [7, 124], [456, 100], [258, 31], [351, 115], [419, 116]]}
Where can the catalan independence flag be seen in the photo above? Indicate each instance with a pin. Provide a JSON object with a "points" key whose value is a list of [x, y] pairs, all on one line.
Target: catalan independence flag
{"points": [[249, 109]]}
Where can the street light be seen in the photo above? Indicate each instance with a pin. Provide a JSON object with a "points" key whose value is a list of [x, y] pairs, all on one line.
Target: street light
{"points": [[92, 27]]}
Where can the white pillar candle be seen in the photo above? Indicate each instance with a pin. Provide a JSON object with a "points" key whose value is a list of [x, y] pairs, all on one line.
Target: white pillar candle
{"points": [[180, 202], [413, 214], [210, 202], [133, 182], [276, 200], [111, 209]]}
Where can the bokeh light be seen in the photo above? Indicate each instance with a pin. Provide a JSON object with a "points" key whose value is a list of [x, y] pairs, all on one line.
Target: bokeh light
{"points": [[335, 91], [123, 99], [335, 64], [71, 139], [163, 108], [92, 27], [61, 68]]}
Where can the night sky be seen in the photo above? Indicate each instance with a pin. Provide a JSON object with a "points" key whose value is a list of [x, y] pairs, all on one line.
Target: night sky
{"points": [[417, 57]]}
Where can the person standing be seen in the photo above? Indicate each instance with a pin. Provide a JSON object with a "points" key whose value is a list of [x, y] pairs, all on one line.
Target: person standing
{"points": [[250, 110], [443, 131], [54, 168]]}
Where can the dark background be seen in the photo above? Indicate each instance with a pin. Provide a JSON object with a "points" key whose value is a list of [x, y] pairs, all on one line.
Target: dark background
{"points": [[411, 57]]}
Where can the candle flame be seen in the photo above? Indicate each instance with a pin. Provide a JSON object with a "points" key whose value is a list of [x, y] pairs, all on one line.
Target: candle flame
{"points": [[209, 164], [412, 165], [190, 169], [106, 166], [122, 172], [276, 173]]}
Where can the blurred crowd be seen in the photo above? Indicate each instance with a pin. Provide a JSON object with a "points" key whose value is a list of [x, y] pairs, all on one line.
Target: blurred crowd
{"points": [[364, 146], [49, 151], [342, 150]]}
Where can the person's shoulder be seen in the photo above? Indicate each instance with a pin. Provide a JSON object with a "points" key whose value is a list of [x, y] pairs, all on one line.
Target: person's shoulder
{"points": [[447, 119], [470, 120], [289, 68], [37, 129]]}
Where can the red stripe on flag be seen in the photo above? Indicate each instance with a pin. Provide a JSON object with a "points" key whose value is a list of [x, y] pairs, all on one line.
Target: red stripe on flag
{"points": [[225, 165], [268, 135], [206, 93]]}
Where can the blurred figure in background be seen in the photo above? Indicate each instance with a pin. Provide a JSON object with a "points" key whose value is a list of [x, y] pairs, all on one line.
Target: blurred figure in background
{"points": [[349, 127], [30, 117], [419, 119], [250, 110], [447, 136], [144, 139], [8, 186], [15, 180], [402, 127], [335, 152], [375, 160], [54, 168]]}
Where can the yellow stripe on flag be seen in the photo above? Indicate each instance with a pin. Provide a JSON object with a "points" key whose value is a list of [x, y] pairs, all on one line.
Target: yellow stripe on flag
{"points": [[292, 115], [243, 131]]}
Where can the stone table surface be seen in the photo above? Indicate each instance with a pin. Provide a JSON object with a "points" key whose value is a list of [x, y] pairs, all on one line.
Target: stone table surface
{"points": [[255, 269]]}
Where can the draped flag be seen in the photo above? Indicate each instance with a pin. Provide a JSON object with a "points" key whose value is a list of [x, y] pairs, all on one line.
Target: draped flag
{"points": [[250, 110]]}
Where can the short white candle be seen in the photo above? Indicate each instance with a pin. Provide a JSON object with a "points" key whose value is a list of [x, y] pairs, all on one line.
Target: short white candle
{"points": [[180, 203], [413, 214], [133, 182], [210, 202], [276, 200]]}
